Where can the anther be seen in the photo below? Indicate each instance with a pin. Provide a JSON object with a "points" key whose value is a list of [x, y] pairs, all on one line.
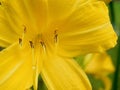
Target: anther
{"points": [[20, 41], [22, 37], [42, 44], [0, 3], [31, 44], [24, 28], [55, 36]]}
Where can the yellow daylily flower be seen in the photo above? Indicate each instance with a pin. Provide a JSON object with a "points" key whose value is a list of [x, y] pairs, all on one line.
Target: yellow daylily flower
{"points": [[100, 65], [42, 37]]}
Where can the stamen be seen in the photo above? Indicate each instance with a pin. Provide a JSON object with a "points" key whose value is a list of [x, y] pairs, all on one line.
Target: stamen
{"points": [[24, 28], [55, 36], [43, 46], [24, 31], [42, 43], [34, 66], [0, 3], [22, 37], [20, 41], [31, 44]]}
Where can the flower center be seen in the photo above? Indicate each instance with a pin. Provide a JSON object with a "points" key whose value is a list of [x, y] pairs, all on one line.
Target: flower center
{"points": [[40, 46], [44, 40]]}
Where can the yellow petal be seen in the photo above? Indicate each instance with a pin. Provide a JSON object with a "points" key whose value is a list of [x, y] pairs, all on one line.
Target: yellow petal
{"points": [[107, 82], [100, 63], [4, 43], [9, 29], [106, 1], [60, 73], [15, 68], [87, 30], [7, 34], [59, 9], [16, 15], [33, 13]]}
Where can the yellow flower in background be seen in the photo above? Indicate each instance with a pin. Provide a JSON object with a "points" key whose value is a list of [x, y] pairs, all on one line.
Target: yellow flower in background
{"points": [[100, 65], [42, 37], [107, 82]]}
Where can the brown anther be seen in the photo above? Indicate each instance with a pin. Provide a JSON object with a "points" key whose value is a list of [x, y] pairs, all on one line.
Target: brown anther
{"points": [[20, 41], [55, 32], [0, 3], [56, 36], [42, 43], [24, 28], [31, 44]]}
